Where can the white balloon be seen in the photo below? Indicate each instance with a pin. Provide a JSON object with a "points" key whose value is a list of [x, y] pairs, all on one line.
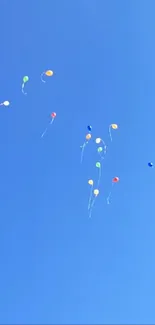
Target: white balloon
{"points": [[6, 103], [98, 140]]}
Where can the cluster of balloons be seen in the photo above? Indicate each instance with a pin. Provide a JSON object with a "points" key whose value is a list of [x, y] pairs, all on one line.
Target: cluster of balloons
{"points": [[92, 199], [48, 73], [101, 150]]}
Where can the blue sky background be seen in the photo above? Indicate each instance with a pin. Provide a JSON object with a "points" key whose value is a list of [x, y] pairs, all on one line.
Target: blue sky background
{"points": [[57, 265]]}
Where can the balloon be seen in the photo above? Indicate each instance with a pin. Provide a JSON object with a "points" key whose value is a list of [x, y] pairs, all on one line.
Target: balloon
{"points": [[89, 127], [114, 126], [98, 165], [25, 79], [6, 103], [150, 164], [92, 201], [99, 149], [53, 115], [90, 182], [115, 180], [96, 192], [88, 136], [98, 140], [49, 73]]}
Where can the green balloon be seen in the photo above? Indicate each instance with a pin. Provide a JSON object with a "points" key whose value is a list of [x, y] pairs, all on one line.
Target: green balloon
{"points": [[25, 79], [98, 165], [100, 149]]}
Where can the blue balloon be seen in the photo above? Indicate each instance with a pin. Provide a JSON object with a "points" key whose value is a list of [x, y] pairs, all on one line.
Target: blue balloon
{"points": [[150, 164], [89, 127]]}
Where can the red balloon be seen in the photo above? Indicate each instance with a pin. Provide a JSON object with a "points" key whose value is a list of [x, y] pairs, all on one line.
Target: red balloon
{"points": [[115, 180], [53, 115]]}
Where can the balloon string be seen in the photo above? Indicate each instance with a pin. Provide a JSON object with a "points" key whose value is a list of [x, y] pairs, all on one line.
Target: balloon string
{"points": [[82, 151], [24, 92], [104, 146], [101, 156], [92, 205], [52, 121], [110, 133], [104, 150], [90, 197], [99, 177], [47, 128], [44, 133], [42, 77], [109, 196], [23, 85]]}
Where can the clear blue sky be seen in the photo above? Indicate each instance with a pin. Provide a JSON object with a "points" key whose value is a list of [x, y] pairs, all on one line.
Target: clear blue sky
{"points": [[57, 265]]}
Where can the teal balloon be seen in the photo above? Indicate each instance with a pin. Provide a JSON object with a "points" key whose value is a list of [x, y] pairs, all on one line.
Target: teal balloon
{"points": [[98, 165], [25, 79], [99, 149]]}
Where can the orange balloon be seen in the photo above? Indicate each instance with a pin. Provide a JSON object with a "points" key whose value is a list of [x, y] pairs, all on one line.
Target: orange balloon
{"points": [[49, 73], [88, 136]]}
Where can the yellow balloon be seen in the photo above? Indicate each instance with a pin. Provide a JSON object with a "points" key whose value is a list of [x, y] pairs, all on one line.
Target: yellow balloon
{"points": [[114, 126], [96, 192], [90, 182], [98, 140], [49, 73], [88, 136]]}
